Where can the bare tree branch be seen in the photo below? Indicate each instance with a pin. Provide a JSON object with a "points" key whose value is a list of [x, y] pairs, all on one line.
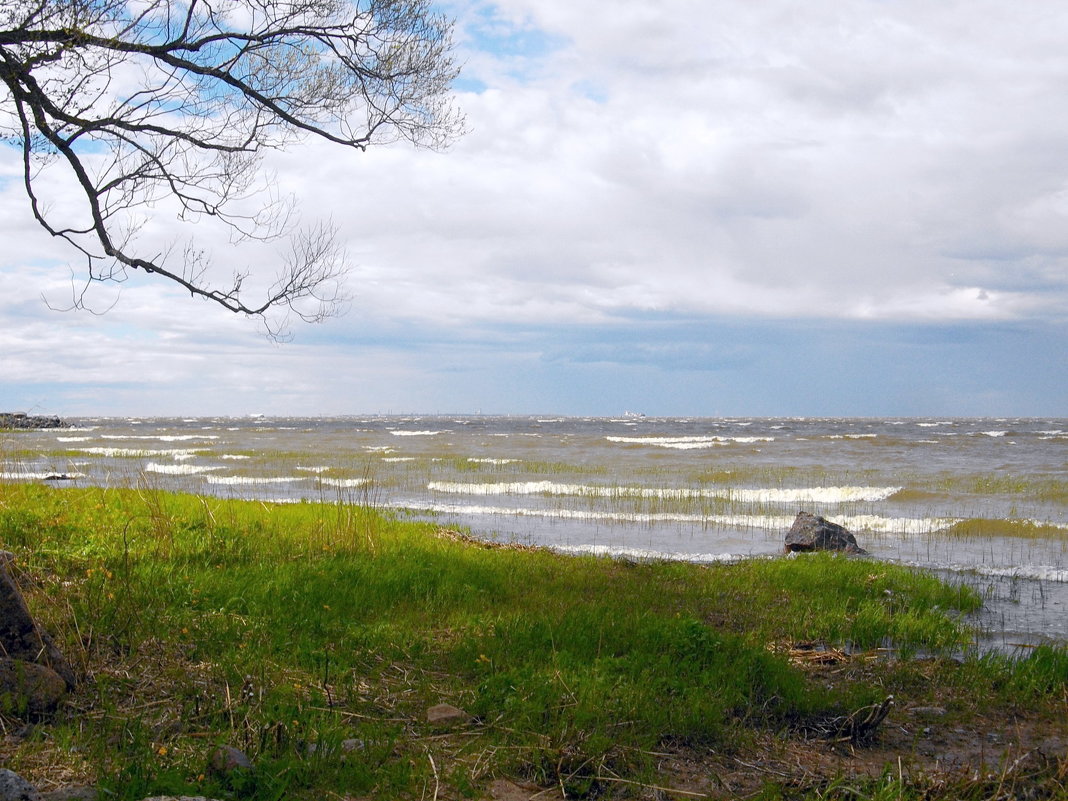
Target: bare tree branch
{"points": [[174, 102]]}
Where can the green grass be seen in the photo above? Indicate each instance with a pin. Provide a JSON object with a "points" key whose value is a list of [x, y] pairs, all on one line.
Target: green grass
{"points": [[272, 627]]}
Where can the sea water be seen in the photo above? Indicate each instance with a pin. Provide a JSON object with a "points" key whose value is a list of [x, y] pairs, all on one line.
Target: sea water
{"points": [[984, 501]]}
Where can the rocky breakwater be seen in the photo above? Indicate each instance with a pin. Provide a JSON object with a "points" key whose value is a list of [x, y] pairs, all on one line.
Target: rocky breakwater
{"points": [[19, 420]]}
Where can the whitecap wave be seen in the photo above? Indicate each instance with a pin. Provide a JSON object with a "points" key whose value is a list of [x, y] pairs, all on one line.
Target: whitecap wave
{"points": [[1037, 572], [140, 453], [870, 524], [647, 555], [774, 495], [180, 469], [687, 443], [417, 433], [160, 437], [345, 483], [250, 480]]}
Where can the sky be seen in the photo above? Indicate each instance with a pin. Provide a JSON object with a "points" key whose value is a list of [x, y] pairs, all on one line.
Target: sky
{"points": [[688, 207]]}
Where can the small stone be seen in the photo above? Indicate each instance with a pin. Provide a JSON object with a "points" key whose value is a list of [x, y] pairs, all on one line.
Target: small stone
{"points": [[226, 759], [15, 788], [350, 745], [445, 713]]}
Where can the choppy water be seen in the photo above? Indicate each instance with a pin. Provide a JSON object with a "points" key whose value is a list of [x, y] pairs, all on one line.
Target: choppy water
{"points": [[980, 500]]}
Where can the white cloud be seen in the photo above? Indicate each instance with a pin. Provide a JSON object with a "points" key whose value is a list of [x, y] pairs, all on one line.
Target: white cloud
{"points": [[864, 161]]}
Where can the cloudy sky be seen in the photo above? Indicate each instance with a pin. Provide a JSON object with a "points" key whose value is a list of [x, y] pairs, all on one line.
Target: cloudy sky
{"points": [[686, 207]]}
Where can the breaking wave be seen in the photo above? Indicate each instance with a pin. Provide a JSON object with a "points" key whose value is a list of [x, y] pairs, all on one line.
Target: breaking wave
{"points": [[236, 480], [757, 495], [647, 555], [180, 469], [687, 443]]}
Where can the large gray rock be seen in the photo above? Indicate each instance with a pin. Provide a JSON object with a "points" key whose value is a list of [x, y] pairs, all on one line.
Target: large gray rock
{"points": [[812, 533], [20, 636], [15, 788]]}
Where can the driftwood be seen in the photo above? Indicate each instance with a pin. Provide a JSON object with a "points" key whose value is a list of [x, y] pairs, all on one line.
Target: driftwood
{"points": [[860, 726]]}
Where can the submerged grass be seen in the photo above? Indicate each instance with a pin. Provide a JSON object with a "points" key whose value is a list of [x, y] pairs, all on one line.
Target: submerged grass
{"points": [[316, 635]]}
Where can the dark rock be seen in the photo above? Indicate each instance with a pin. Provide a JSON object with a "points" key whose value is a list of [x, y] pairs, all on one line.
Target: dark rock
{"points": [[20, 636], [226, 760], [15, 788], [29, 689], [812, 533]]}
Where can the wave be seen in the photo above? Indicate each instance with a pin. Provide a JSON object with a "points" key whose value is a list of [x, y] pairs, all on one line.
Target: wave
{"points": [[859, 524], [73, 439], [140, 453], [160, 437], [687, 443], [736, 521], [235, 480], [758, 495], [180, 469], [647, 555], [1032, 572], [345, 483], [1038, 572], [417, 433]]}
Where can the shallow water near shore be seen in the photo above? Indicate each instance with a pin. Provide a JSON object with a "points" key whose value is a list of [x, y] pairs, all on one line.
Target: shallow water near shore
{"points": [[982, 501]]}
